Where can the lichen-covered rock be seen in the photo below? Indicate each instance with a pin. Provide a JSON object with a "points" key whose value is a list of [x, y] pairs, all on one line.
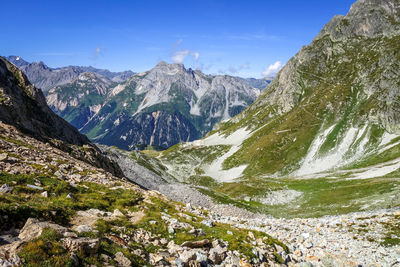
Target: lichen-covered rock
{"points": [[121, 260], [84, 245], [33, 228]]}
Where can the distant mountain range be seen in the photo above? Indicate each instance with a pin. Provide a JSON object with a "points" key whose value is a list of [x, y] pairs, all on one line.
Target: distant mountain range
{"points": [[161, 107], [44, 77]]}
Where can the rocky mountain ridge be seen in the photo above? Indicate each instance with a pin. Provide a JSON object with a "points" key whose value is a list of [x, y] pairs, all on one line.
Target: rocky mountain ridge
{"points": [[160, 107], [45, 78]]}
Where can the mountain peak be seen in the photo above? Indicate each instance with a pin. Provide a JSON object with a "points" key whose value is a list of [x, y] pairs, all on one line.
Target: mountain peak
{"points": [[366, 18], [17, 61], [165, 65]]}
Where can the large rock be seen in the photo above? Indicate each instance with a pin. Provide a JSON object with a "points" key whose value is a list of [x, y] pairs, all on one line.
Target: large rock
{"points": [[217, 254], [196, 244], [33, 228], [84, 245]]}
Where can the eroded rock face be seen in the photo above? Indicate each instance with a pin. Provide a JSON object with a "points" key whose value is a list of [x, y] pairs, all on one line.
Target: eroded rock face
{"points": [[24, 106]]}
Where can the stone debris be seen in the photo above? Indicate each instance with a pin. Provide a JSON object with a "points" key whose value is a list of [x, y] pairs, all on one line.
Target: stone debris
{"points": [[5, 188], [35, 187]]}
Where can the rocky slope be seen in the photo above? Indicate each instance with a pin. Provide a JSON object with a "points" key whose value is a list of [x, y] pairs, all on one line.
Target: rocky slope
{"points": [[323, 139], [161, 107], [46, 78], [24, 106], [57, 210], [335, 104]]}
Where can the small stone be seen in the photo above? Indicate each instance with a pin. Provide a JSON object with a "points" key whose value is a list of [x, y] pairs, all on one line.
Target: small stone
{"points": [[70, 234], [5, 188], [118, 213], [74, 258], [208, 223], [171, 230], [44, 194], [3, 156], [70, 195], [83, 228], [229, 232], [305, 235], [251, 235], [187, 256], [196, 244], [35, 187], [122, 260], [82, 245], [105, 257], [217, 254]]}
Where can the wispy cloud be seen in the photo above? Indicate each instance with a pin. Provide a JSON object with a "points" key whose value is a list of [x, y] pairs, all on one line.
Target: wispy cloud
{"points": [[99, 51], [181, 55], [272, 69], [235, 69]]}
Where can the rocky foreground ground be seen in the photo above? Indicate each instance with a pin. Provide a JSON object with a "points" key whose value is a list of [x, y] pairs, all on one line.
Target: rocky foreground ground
{"points": [[57, 210]]}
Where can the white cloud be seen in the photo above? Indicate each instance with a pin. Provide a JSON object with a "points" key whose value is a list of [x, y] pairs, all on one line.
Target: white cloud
{"points": [[179, 56], [235, 70], [98, 52], [272, 69], [196, 55]]}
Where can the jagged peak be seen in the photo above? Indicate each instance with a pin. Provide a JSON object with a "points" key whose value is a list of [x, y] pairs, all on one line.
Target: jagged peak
{"points": [[366, 18], [165, 65]]}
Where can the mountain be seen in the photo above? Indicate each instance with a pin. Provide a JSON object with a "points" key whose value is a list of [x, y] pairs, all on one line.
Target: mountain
{"points": [[24, 106], [53, 192], [257, 83], [329, 120], [160, 107], [46, 78]]}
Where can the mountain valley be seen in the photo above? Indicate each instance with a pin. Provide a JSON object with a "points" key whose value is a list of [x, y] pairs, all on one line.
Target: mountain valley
{"points": [[175, 167]]}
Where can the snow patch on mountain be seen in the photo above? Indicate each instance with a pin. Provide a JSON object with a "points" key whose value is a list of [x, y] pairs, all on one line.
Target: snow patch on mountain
{"points": [[314, 163]]}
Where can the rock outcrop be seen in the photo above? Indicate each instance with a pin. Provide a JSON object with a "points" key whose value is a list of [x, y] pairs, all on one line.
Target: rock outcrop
{"points": [[24, 106]]}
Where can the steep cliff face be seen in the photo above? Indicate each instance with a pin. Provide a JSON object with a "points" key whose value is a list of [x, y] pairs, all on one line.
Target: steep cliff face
{"points": [[81, 99], [161, 107], [336, 104], [24, 106]]}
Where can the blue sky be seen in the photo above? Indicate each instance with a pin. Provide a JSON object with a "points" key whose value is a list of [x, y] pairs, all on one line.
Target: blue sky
{"points": [[241, 38]]}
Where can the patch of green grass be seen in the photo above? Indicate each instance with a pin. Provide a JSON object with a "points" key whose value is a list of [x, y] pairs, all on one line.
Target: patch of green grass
{"points": [[46, 251], [392, 237], [25, 202]]}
